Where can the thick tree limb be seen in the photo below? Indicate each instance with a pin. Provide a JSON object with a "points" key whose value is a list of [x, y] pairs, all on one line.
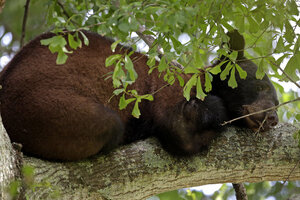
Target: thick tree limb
{"points": [[143, 169]]}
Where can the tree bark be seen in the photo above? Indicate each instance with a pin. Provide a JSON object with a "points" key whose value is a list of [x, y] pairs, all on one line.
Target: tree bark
{"points": [[143, 169]]}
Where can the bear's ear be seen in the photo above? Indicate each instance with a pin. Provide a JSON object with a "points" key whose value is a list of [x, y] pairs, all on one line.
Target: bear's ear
{"points": [[236, 43]]}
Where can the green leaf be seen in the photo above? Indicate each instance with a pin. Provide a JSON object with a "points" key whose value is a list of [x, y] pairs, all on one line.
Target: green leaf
{"points": [[289, 34], [133, 25], [180, 79], [151, 62], [171, 79], [292, 65], [118, 75], [162, 64], [240, 23], [151, 69], [124, 102], [188, 86], [260, 73], [114, 45], [297, 45], [124, 27], [191, 70], [148, 97], [73, 43], [61, 58], [147, 32], [233, 56], [254, 26], [55, 41], [292, 7], [85, 39], [136, 111], [208, 79], [61, 20], [200, 94], [232, 82], [298, 118], [225, 72], [118, 91], [217, 69], [129, 67], [242, 73], [280, 46], [176, 44], [112, 59]]}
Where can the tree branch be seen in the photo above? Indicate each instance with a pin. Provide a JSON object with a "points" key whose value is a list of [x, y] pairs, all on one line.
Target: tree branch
{"points": [[148, 39], [142, 169], [287, 76], [240, 191], [24, 23]]}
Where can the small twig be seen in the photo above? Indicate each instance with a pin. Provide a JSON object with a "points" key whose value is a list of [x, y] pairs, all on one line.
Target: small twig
{"points": [[168, 84], [261, 111], [82, 28], [240, 191], [65, 12], [276, 65], [63, 9], [148, 39], [261, 125], [254, 44], [287, 178], [24, 22]]}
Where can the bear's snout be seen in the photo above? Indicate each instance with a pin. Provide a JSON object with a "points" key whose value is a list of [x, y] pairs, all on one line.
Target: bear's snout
{"points": [[262, 121]]}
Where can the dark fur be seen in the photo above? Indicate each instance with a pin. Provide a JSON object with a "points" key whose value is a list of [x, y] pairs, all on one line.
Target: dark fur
{"points": [[61, 112]]}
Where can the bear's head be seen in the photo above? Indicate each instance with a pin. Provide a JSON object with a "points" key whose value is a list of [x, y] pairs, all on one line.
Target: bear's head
{"points": [[251, 95]]}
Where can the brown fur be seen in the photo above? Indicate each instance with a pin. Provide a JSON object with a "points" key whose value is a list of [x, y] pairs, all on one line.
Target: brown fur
{"points": [[63, 111]]}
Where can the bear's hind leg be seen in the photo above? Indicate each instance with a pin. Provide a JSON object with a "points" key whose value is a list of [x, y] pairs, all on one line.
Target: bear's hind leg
{"points": [[62, 125]]}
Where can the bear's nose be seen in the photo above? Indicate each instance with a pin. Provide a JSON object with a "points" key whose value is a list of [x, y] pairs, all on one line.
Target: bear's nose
{"points": [[272, 119]]}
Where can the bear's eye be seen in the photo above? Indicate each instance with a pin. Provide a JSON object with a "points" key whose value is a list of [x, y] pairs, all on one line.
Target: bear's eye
{"points": [[259, 88], [262, 87]]}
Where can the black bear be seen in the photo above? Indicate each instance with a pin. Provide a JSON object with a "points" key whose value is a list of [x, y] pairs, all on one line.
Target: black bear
{"points": [[65, 112]]}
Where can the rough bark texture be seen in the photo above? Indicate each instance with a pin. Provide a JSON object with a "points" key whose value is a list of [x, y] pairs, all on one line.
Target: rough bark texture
{"points": [[8, 163], [143, 169]]}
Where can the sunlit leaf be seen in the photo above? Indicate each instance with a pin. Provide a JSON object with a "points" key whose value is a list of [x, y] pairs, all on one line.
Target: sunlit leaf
{"points": [[242, 73], [292, 65], [188, 86], [200, 94], [136, 111], [225, 72], [112, 59], [208, 80], [232, 81], [85, 39], [129, 66], [114, 45]]}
